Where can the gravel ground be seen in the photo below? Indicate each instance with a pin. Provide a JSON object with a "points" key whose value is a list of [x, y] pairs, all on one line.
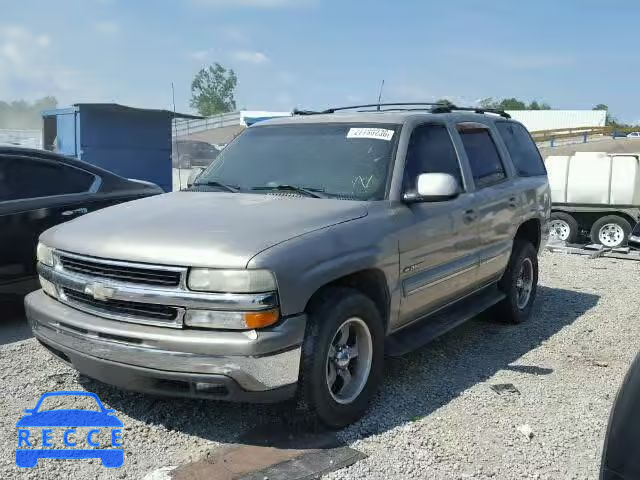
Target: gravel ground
{"points": [[436, 415]]}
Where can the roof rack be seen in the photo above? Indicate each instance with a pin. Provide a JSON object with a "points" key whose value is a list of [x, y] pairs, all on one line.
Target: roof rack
{"points": [[377, 106], [434, 108], [445, 108]]}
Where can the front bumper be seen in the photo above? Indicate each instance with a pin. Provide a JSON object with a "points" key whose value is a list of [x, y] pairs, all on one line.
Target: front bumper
{"points": [[256, 366]]}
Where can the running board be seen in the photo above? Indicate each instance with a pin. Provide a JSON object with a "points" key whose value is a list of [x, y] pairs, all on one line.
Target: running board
{"points": [[431, 327]]}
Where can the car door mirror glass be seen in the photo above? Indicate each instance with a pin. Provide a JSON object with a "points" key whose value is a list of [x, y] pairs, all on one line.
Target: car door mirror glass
{"points": [[434, 187]]}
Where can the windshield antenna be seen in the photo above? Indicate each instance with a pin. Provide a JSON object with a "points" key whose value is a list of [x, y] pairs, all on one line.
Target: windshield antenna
{"points": [[380, 94]]}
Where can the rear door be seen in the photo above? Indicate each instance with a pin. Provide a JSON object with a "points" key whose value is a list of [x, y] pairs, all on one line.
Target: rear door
{"points": [[438, 249], [36, 194], [497, 199]]}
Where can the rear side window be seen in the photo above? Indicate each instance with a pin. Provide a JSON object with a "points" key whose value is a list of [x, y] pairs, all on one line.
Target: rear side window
{"points": [[430, 151], [522, 149], [23, 178], [482, 153]]}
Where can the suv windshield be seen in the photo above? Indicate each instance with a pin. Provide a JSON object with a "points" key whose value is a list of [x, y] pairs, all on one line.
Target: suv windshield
{"points": [[344, 160]]}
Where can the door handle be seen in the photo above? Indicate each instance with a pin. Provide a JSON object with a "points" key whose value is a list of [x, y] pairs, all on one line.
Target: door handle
{"points": [[77, 211], [513, 202], [470, 215]]}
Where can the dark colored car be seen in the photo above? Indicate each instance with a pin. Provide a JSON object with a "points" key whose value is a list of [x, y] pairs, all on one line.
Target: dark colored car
{"points": [[192, 153], [621, 453], [41, 189], [619, 134]]}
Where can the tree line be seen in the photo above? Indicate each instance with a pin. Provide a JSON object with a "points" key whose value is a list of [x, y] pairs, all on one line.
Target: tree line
{"points": [[23, 115]]}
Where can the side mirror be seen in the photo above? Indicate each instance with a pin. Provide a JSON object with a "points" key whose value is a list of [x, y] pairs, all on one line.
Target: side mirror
{"points": [[193, 176], [433, 187]]}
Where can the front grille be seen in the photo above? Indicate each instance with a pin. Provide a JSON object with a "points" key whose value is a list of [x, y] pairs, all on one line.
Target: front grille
{"points": [[119, 307], [120, 272]]}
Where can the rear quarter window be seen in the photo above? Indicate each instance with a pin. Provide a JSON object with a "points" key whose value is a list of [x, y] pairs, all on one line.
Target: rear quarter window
{"points": [[522, 149]]}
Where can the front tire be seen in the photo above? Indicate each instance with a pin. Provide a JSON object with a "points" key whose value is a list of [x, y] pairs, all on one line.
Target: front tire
{"points": [[519, 283], [342, 356]]}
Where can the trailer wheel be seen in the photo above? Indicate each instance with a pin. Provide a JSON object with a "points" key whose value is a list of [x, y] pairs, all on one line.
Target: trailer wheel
{"points": [[563, 227], [611, 231]]}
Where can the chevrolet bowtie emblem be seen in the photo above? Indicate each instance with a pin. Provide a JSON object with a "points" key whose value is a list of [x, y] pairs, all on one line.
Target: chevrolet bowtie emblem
{"points": [[99, 291]]}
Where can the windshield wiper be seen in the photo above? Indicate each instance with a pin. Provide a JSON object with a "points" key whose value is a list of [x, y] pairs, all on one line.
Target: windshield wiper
{"points": [[308, 191], [212, 183]]}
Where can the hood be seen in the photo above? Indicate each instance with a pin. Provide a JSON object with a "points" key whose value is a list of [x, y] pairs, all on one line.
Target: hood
{"points": [[207, 229]]}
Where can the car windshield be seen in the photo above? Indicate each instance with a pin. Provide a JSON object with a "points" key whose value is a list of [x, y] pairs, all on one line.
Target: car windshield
{"points": [[342, 160], [63, 402]]}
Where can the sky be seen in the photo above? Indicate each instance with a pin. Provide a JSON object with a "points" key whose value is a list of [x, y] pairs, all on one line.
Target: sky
{"points": [[321, 53]]}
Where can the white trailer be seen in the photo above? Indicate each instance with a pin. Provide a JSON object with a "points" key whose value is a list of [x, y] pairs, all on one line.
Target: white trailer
{"points": [[594, 193]]}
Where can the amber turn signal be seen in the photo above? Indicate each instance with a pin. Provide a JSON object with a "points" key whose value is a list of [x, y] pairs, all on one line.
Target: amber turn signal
{"points": [[261, 319]]}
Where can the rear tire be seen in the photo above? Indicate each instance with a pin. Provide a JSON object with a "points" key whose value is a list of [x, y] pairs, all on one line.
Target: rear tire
{"points": [[563, 227], [335, 387], [519, 283], [611, 231]]}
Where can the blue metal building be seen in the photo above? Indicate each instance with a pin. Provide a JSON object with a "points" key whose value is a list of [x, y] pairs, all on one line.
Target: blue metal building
{"points": [[131, 142]]}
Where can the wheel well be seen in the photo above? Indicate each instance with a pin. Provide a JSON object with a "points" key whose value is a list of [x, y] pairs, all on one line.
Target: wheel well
{"points": [[371, 282], [530, 230]]}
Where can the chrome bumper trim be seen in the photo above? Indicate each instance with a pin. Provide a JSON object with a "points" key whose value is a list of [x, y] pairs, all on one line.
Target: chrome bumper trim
{"points": [[257, 361], [175, 297]]}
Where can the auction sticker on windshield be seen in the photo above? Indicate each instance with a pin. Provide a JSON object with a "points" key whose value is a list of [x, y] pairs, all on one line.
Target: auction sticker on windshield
{"points": [[54, 431], [374, 133]]}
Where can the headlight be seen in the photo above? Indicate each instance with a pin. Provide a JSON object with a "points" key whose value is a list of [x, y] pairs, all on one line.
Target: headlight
{"points": [[231, 320], [231, 281], [44, 254]]}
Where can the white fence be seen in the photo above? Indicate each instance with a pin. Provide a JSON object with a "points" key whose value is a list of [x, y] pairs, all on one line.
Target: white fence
{"points": [[184, 128], [536, 120]]}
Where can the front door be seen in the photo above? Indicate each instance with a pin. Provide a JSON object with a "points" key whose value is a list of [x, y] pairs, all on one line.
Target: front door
{"points": [[438, 248]]}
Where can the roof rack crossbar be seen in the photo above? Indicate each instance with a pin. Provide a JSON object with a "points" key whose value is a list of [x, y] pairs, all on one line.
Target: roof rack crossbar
{"points": [[450, 108], [379, 105]]}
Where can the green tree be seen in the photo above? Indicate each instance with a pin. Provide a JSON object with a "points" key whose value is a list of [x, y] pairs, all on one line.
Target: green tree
{"points": [[513, 104], [610, 119], [212, 90], [534, 105], [488, 103], [445, 102]]}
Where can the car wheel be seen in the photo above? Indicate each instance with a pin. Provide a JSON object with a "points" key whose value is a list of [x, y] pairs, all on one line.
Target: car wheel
{"points": [[563, 227], [342, 356], [611, 231], [519, 283]]}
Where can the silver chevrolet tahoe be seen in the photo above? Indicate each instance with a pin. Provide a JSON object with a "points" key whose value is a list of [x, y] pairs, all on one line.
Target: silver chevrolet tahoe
{"points": [[310, 248]]}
